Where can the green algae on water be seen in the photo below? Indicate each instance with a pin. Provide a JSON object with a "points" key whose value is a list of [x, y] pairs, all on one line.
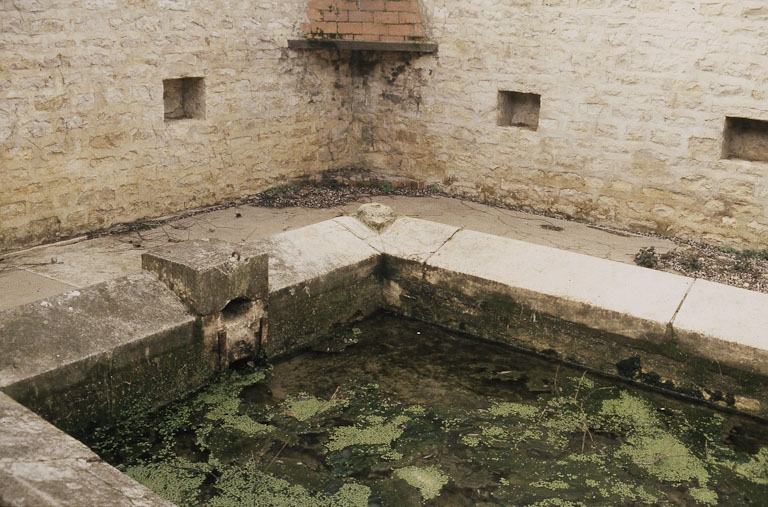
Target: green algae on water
{"points": [[375, 431], [756, 469], [393, 421], [305, 406], [428, 480], [247, 486]]}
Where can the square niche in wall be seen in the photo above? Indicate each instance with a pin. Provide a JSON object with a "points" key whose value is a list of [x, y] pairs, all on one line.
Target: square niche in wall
{"points": [[516, 109], [184, 98], [746, 139]]}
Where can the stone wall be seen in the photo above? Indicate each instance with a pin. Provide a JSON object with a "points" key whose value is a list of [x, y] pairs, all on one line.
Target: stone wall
{"points": [[634, 97], [84, 142], [614, 112]]}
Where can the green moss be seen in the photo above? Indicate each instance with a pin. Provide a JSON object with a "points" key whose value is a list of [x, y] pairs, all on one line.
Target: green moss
{"points": [[377, 432], [177, 480], [416, 411], [351, 495], [521, 410], [665, 458], [756, 469], [470, 440], [247, 486], [704, 496], [304, 406], [627, 414], [428, 480], [629, 492], [557, 502], [495, 433], [553, 485]]}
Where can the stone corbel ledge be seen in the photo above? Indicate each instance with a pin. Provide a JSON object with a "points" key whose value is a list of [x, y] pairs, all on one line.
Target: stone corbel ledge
{"points": [[149, 337], [377, 46]]}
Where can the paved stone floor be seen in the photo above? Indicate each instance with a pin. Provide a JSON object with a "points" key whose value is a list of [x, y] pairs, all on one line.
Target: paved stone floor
{"points": [[36, 273]]}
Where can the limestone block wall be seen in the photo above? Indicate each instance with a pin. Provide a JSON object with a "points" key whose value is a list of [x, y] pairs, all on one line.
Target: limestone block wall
{"points": [[84, 138], [646, 115], [633, 100]]}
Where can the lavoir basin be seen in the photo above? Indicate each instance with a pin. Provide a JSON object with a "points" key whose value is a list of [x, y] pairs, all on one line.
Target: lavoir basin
{"points": [[97, 357]]}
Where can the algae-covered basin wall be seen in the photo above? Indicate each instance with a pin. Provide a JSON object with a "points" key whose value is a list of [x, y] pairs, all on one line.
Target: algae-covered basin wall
{"points": [[97, 353]]}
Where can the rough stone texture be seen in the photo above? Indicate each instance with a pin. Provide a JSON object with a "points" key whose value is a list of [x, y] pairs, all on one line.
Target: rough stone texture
{"points": [[207, 275], [376, 216], [74, 358], [634, 98], [313, 251], [321, 276], [42, 466], [330, 274], [496, 312], [608, 317], [83, 138]]}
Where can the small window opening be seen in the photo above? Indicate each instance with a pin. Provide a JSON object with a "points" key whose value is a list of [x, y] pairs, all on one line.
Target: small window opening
{"points": [[184, 98], [746, 139], [516, 109]]}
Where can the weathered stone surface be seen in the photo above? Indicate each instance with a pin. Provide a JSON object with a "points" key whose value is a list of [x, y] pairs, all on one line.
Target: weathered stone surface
{"points": [[376, 215], [66, 356], [489, 311], [604, 295], [321, 276], [207, 275], [621, 127], [42, 466], [725, 324], [414, 239], [407, 238], [314, 251], [95, 342], [268, 111]]}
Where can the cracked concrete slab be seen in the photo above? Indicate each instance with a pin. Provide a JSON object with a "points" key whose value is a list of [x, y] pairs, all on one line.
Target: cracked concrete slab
{"points": [[313, 251]]}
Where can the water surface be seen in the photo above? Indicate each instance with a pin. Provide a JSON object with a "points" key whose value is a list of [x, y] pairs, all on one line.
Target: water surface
{"points": [[394, 412]]}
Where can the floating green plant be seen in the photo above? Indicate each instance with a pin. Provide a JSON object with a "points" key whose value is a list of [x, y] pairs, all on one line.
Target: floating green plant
{"points": [[428, 480], [396, 421]]}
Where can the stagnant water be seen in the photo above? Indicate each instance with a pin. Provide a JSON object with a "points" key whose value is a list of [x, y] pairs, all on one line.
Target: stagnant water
{"points": [[409, 414]]}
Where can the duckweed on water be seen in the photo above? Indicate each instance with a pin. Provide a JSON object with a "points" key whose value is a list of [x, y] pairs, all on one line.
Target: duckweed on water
{"points": [[305, 406], [428, 480], [398, 421], [375, 432]]}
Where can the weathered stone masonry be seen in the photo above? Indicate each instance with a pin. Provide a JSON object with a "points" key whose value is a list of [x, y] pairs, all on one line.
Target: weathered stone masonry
{"points": [[633, 102]]}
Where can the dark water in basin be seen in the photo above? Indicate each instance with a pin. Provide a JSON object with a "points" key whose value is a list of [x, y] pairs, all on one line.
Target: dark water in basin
{"points": [[409, 414]]}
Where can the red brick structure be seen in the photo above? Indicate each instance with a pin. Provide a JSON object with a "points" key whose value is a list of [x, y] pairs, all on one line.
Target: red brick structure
{"points": [[364, 20]]}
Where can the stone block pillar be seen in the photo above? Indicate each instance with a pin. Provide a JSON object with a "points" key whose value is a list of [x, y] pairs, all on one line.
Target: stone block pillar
{"points": [[225, 286]]}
